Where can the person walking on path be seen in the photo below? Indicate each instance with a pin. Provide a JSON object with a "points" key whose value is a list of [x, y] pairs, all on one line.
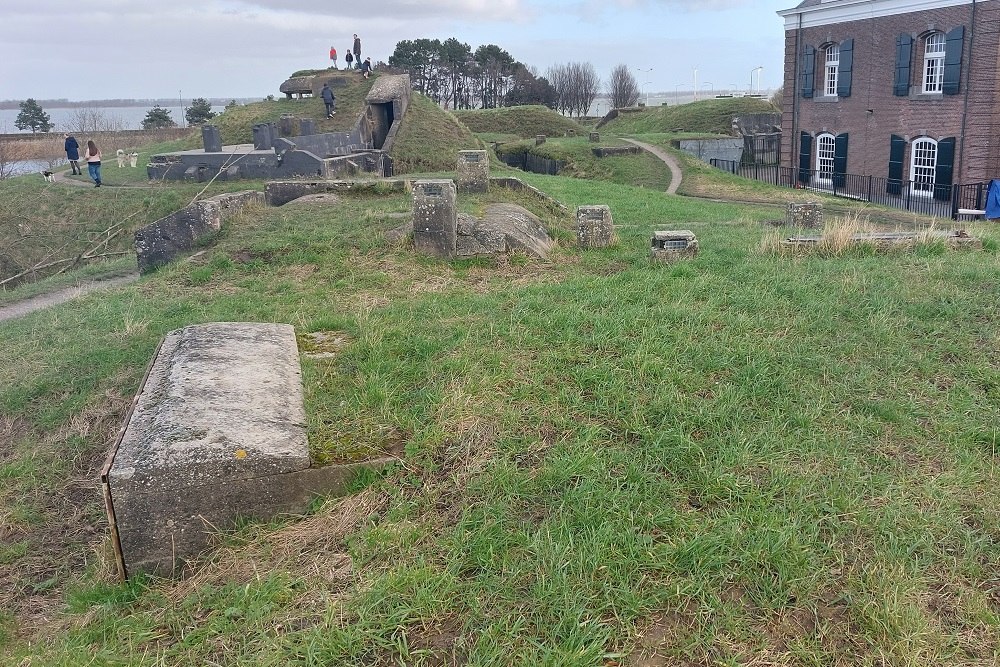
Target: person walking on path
{"points": [[93, 160], [328, 99], [350, 60], [357, 50], [366, 67], [333, 57], [72, 148]]}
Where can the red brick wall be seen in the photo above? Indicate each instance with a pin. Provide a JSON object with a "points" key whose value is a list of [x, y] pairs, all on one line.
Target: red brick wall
{"points": [[935, 116]]}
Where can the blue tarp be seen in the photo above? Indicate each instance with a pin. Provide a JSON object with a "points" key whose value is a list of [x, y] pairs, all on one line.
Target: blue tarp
{"points": [[993, 200]]}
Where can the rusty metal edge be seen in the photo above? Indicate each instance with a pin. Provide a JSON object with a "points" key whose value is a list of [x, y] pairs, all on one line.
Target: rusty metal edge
{"points": [[110, 460]]}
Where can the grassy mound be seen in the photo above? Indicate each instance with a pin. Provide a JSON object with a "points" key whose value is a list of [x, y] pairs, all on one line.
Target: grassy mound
{"points": [[236, 124], [525, 121], [712, 116], [429, 139]]}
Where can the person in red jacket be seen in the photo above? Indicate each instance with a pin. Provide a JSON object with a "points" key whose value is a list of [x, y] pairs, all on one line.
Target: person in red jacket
{"points": [[333, 56]]}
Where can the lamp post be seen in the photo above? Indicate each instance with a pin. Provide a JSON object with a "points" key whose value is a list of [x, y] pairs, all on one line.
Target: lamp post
{"points": [[677, 88], [711, 87], [645, 71], [755, 69]]}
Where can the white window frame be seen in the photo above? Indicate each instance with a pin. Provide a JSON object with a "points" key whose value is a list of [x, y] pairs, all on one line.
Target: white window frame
{"points": [[825, 158], [923, 166], [831, 70], [934, 52]]}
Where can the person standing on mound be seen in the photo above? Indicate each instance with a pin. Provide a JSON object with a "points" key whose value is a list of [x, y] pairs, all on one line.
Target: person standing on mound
{"points": [[93, 159], [357, 51], [350, 59]]}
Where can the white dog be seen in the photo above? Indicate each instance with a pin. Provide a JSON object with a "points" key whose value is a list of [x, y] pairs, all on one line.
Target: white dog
{"points": [[120, 154], [48, 176], [133, 159]]}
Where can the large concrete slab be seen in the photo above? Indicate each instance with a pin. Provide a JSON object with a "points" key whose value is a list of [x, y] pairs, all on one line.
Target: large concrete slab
{"points": [[217, 432]]}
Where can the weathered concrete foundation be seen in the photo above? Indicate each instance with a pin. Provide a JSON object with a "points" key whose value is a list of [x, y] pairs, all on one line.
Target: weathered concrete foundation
{"points": [[435, 217], [673, 245], [473, 171], [162, 241], [217, 432]]}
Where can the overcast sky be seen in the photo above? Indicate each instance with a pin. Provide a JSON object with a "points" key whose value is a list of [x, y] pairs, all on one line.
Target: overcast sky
{"points": [[84, 49]]}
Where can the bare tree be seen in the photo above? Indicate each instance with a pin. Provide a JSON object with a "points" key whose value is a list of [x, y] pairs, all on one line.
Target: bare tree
{"points": [[90, 120], [12, 152], [576, 86], [623, 89]]}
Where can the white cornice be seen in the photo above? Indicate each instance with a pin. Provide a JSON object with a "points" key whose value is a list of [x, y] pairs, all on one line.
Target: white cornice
{"points": [[841, 11]]}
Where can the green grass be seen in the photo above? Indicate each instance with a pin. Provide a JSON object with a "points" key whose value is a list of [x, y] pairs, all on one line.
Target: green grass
{"points": [[711, 116], [527, 121], [739, 458]]}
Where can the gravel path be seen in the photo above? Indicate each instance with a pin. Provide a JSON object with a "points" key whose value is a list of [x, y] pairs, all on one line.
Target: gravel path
{"points": [[675, 169], [21, 308]]}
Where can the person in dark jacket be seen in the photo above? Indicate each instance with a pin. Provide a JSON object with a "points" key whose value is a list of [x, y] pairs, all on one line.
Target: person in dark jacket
{"points": [[328, 99], [357, 50], [366, 67], [72, 148], [350, 59]]}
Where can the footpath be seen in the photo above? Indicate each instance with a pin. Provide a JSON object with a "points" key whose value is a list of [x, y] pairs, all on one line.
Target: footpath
{"points": [[21, 308]]}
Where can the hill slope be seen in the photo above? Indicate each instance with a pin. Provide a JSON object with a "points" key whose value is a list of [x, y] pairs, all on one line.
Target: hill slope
{"points": [[711, 116], [526, 121], [429, 139]]}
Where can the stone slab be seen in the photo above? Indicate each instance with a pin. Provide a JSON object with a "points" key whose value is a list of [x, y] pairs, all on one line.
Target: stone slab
{"points": [[808, 215], [671, 245], [594, 226], [473, 171], [435, 217]]}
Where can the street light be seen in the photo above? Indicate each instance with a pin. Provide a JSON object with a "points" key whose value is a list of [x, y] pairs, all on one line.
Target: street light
{"points": [[647, 91], [645, 71], [755, 69], [677, 92], [710, 85]]}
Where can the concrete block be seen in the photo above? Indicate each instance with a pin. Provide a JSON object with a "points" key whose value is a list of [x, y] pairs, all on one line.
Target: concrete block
{"points": [[307, 126], [211, 139], [435, 217], [808, 215], [594, 227], [672, 245], [217, 432], [262, 139], [473, 171], [539, 139], [162, 241], [595, 137]]}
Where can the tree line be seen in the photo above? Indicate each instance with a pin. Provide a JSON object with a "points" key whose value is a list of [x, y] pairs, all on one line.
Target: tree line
{"points": [[455, 76]]}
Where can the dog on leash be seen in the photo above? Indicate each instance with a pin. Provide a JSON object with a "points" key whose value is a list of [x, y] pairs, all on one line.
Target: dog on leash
{"points": [[133, 159], [48, 176], [120, 154]]}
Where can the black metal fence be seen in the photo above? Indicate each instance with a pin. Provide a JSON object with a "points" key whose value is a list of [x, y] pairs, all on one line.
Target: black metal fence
{"points": [[940, 200]]}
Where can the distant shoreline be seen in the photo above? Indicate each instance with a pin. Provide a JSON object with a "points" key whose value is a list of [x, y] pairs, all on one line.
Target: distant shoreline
{"points": [[123, 103]]}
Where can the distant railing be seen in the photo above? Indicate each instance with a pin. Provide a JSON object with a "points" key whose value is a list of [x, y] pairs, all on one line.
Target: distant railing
{"points": [[919, 197]]}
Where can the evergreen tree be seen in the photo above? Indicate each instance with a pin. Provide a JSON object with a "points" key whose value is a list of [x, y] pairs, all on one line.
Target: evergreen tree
{"points": [[33, 117], [199, 112], [157, 118]]}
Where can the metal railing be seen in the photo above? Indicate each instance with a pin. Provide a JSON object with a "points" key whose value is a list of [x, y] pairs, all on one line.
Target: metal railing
{"points": [[919, 197]]}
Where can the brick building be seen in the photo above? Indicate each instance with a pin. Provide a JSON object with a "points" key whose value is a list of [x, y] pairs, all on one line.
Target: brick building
{"points": [[906, 90]]}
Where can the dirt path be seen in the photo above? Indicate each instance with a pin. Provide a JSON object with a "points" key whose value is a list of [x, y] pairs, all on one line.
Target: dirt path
{"points": [[21, 308], [675, 169]]}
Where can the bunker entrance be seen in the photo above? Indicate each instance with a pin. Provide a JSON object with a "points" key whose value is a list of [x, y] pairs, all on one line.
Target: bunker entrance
{"points": [[381, 117]]}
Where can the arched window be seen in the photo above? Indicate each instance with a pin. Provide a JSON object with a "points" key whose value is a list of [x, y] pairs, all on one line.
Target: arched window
{"points": [[832, 69], [923, 166], [826, 148], [934, 50]]}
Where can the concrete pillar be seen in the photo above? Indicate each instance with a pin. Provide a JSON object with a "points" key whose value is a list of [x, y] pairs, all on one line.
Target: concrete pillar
{"points": [[211, 138], [435, 217], [539, 139], [594, 227], [307, 126], [262, 140], [671, 245], [595, 137], [286, 125], [808, 215], [473, 171]]}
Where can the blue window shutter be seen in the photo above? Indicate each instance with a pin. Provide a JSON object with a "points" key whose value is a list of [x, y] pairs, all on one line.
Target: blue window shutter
{"points": [[897, 149], [945, 169], [904, 54], [808, 71], [954, 43], [805, 157], [846, 65], [839, 160]]}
